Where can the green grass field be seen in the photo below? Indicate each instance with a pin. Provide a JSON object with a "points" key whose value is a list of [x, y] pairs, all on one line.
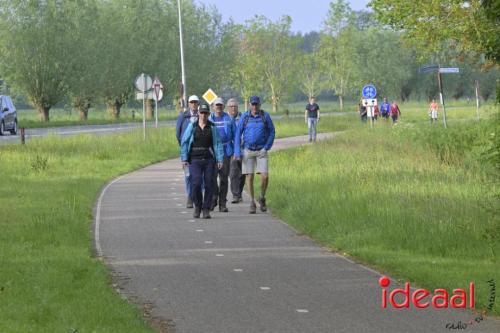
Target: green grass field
{"points": [[413, 200], [407, 206]]}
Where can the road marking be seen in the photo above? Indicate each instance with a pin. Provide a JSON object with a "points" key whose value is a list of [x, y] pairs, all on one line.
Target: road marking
{"points": [[98, 218], [238, 270], [265, 288], [208, 242], [199, 230], [191, 221], [219, 255], [184, 212], [302, 311], [179, 205]]}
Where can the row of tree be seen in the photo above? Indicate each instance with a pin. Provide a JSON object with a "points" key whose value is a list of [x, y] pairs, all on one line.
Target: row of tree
{"points": [[85, 52]]}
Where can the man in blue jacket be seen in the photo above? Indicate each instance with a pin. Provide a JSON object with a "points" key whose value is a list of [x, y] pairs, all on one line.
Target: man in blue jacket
{"points": [[385, 109], [226, 129], [184, 119], [256, 129]]}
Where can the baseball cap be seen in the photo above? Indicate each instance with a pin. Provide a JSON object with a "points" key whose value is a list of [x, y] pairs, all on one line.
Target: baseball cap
{"points": [[193, 98], [219, 100], [204, 108], [254, 100]]}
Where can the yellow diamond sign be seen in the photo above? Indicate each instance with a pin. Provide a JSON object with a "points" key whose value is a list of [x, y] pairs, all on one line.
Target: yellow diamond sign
{"points": [[209, 96]]}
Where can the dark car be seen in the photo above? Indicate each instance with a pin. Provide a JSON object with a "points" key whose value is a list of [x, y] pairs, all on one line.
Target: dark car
{"points": [[8, 115]]}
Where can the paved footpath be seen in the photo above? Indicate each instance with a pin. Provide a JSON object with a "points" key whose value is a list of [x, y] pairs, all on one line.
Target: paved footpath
{"points": [[239, 272]]}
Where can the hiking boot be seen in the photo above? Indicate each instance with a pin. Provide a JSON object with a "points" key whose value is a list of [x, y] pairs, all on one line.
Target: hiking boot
{"points": [[262, 204], [197, 211], [206, 214], [253, 208], [214, 204], [223, 208], [189, 203]]}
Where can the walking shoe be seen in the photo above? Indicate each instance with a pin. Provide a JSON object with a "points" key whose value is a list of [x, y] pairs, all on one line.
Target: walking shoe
{"points": [[253, 208], [206, 214], [214, 204], [223, 208], [196, 213], [262, 204], [235, 200], [189, 203]]}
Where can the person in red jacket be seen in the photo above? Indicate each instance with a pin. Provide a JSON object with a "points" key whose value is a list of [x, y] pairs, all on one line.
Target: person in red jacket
{"points": [[395, 112]]}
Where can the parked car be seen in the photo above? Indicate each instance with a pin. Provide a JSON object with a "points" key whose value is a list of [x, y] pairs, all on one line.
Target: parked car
{"points": [[8, 115]]}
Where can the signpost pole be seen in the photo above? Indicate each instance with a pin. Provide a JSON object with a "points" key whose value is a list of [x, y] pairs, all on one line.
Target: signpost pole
{"points": [[441, 97], [156, 112], [477, 98], [144, 106]]}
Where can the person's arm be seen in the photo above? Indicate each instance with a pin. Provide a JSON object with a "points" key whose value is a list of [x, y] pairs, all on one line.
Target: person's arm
{"points": [[237, 138], [270, 138], [185, 143], [305, 116], [178, 127], [217, 146]]}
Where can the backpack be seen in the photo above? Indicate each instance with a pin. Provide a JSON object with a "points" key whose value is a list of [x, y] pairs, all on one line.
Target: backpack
{"points": [[245, 122], [262, 117]]}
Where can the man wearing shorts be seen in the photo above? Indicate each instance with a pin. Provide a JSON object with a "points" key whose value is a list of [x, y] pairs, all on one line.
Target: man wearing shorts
{"points": [[255, 133]]}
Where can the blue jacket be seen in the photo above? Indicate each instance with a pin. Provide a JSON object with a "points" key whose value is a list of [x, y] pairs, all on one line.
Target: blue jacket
{"points": [[227, 129], [385, 108], [255, 135], [183, 121], [188, 139]]}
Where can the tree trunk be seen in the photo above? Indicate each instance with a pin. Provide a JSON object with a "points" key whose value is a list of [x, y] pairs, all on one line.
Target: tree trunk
{"points": [[43, 113], [275, 101], [150, 109], [83, 106], [341, 102], [114, 109]]}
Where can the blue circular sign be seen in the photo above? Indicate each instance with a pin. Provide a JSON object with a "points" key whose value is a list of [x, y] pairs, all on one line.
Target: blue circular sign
{"points": [[369, 91]]}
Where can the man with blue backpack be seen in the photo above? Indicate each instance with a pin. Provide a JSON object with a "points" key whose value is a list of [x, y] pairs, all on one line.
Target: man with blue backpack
{"points": [[256, 130], [183, 120], [227, 129]]}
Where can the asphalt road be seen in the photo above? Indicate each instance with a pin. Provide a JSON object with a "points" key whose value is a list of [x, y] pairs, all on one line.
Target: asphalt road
{"points": [[239, 272], [104, 129]]}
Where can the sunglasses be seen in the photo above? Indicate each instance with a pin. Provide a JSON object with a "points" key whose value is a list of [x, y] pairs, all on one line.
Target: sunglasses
{"points": [[255, 103], [219, 104]]}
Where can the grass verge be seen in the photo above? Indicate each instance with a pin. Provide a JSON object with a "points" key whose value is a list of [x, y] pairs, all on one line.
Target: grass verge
{"points": [[413, 201]]}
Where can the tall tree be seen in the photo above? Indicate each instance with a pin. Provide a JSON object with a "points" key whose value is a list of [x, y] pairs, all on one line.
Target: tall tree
{"points": [[337, 49], [269, 53], [37, 49]]}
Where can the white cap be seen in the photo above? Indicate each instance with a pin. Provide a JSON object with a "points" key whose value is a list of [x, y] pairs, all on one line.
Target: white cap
{"points": [[193, 98], [218, 100]]}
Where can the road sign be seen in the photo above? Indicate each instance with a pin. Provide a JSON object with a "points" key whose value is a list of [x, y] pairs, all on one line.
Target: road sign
{"points": [[143, 82], [149, 95], [157, 87], [209, 96], [370, 102], [449, 70], [428, 68], [369, 91]]}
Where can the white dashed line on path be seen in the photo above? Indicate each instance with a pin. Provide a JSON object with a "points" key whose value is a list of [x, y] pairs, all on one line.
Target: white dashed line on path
{"points": [[302, 311], [265, 288]]}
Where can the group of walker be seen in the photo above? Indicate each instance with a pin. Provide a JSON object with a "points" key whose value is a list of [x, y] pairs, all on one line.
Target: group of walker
{"points": [[218, 145], [392, 110]]}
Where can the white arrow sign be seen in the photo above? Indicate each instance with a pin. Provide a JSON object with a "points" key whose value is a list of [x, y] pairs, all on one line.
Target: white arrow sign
{"points": [[449, 70]]}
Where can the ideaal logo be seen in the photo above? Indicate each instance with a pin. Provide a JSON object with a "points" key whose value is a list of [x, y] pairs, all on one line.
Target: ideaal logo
{"points": [[440, 299]]}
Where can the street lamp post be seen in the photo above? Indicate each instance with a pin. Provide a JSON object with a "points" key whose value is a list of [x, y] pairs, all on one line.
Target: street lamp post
{"points": [[184, 104]]}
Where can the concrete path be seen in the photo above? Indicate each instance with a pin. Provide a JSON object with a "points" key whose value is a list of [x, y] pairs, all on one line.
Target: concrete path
{"points": [[239, 272]]}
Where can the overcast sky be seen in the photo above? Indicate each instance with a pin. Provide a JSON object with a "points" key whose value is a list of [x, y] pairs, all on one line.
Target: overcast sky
{"points": [[307, 15]]}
